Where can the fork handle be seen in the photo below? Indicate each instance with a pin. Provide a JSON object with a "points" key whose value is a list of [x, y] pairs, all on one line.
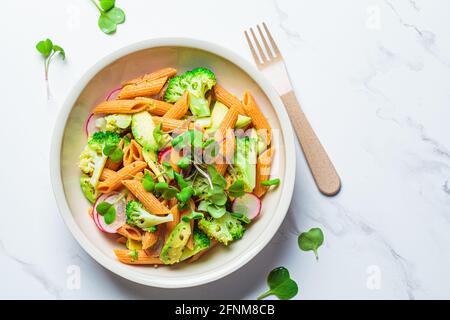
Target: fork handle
{"points": [[323, 171]]}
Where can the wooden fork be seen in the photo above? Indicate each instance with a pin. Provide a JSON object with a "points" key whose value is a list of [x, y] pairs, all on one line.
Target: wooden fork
{"points": [[274, 68]]}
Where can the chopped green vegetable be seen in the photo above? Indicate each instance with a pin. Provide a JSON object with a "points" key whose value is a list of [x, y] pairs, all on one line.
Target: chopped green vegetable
{"points": [[201, 242], [176, 242], [88, 190], [184, 162], [134, 255], [224, 229], [271, 182], [115, 123], [311, 240], [280, 285], [185, 194], [192, 216], [245, 161], [148, 183], [152, 229]]}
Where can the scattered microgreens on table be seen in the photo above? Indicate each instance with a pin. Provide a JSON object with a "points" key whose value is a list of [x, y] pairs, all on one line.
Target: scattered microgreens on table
{"points": [[110, 15], [280, 285], [48, 50], [311, 240]]}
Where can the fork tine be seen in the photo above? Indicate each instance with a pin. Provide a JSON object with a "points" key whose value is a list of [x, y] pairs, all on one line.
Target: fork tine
{"points": [[272, 42], [261, 52], [266, 45], [252, 49]]}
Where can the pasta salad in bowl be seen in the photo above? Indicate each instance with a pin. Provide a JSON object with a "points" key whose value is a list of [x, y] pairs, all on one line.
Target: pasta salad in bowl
{"points": [[177, 168]]}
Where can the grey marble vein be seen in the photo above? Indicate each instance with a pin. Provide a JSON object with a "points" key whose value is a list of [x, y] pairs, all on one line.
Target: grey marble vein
{"points": [[292, 35]]}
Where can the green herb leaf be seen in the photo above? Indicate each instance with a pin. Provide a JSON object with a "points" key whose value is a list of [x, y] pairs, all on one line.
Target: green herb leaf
{"points": [[311, 240], [216, 211], [169, 193], [280, 284], [271, 182], [103, 207], [236, 190], [60, 50], [160, 187], [218, 197], [110, 215], [180, 180], [216, 177], [185, 194], [45, 47], [148, 183], [241, 217], [168, 170], [158, 134], [106, 24], [192, 216], [107, 4], [184, 162], [116, 15], [109, 149]]}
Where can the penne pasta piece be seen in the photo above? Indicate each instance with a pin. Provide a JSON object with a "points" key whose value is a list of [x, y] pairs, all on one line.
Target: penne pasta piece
{"points": [[258, 119], [173, 124], [91, 212], [226, 153], [228, 99], [130, 197], [179, 109], [142, 89], [149, 201], [130, 232], [161, 73], [263, 165], [127, 172], [156, 107], [136, 151], [122, 240], [106, 174], [149, 239], [120, 106], [176, 219], [135, 257]]}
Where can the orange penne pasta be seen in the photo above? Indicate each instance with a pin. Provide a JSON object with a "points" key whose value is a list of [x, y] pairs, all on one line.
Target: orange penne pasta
{"points": [[122, 240], [263, 171], [120, 106], [133, 152], [161, 73], [142, 89], [258, 119], [150, 202], [228, 99], [226, 154], [106, 174], [156, 107], [173, 124], [127, 172], [136, 257], [130, 232], [149, 239], [179, 109]]}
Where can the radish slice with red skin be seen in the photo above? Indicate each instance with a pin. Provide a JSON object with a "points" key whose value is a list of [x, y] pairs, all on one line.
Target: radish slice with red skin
{"points": [[164, 155], [112, 95], [120, 212], [89, 125], [249, 204]]}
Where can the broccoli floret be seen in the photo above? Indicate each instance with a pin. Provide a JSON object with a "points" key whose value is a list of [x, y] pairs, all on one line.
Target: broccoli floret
{"points": [[92, 160], [224, 229], [115, 123], [197, 82], [139, 217], [201, 242]]}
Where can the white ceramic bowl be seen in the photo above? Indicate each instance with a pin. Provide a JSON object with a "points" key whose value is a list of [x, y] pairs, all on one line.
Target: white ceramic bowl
{"points": [[68, 140]]}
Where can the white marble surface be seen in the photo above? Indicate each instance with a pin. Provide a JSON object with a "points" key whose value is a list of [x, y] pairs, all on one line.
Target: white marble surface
{"points": [[373, 77]]}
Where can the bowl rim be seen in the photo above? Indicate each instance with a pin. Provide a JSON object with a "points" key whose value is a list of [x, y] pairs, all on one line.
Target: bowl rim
{"points": [[56, 146]]}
